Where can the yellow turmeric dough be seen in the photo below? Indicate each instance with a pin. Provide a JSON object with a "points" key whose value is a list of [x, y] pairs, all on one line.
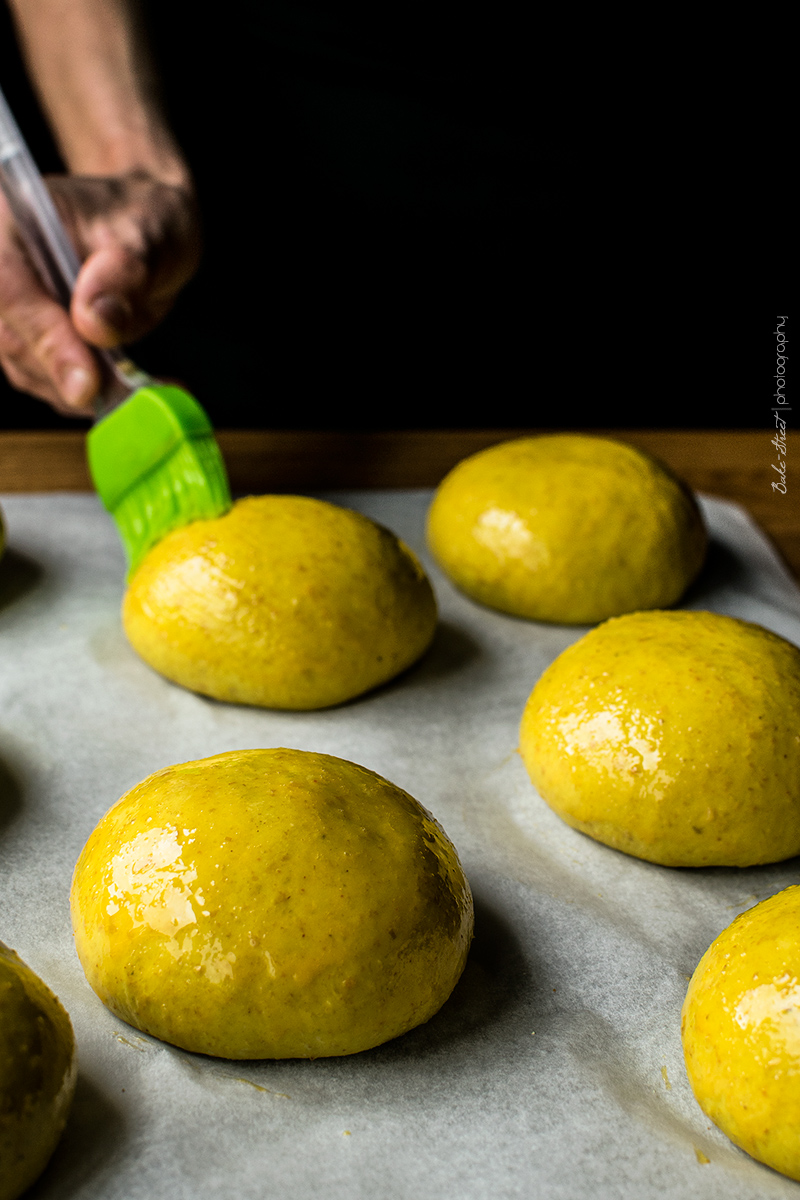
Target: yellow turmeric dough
{"points": [[741, 1032], [271, 904], [285, 602], [566, 528], [674, 736], [37, 1074]]}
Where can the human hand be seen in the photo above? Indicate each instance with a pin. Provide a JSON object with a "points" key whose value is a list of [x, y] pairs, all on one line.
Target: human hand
{"points": [[140, 241]]}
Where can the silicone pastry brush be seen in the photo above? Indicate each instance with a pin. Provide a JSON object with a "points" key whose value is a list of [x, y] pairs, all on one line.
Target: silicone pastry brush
{"points": [[152, 452]]}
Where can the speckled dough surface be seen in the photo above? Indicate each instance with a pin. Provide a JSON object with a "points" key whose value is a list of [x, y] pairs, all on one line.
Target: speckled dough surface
{"points": [[37, 1074], [741, 1031], [271, 904], [284, 602], [674, 736], [566, 528]]}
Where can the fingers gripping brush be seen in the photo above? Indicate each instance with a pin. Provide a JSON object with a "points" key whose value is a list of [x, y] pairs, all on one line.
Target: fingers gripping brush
{"points": [[152, 452]]}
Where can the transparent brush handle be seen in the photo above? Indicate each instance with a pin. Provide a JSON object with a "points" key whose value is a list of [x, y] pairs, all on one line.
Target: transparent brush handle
{"points": [[51, 251]]}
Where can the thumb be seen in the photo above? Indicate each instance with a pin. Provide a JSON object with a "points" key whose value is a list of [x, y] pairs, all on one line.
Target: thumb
{"points": [[105, 298]]}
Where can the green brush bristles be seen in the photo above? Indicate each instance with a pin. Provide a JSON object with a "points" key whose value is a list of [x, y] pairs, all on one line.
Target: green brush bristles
{"points": [[188, 485], [156, 466]]}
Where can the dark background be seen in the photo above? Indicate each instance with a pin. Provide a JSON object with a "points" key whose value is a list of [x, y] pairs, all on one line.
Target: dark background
{"points": [[426, 221]]}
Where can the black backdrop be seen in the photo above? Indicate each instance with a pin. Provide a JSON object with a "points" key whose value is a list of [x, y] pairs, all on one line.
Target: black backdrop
{"points": [[416, 221]]}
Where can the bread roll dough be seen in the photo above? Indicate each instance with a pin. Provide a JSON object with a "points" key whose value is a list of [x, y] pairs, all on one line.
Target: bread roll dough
{"points": [[37, 1074], [674, 736], [741, 1031], [566, 528], [271, 904], [285, 602]]}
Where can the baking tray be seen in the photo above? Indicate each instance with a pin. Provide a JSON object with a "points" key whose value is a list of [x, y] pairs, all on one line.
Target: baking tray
{"points": [[555, 1070]]}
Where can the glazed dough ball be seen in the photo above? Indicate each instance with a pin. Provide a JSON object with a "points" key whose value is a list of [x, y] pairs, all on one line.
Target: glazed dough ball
{"points": [[674, 736], [271, 904], [741, 1032], [566, 528], [285, 602], [37, 1074]]}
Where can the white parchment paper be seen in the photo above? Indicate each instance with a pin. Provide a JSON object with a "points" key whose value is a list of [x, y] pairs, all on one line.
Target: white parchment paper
{"points": [[554, 1071]]}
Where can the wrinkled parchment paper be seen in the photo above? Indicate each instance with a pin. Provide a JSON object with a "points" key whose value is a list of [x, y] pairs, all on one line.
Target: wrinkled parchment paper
{"points": [[554, 1071]]}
